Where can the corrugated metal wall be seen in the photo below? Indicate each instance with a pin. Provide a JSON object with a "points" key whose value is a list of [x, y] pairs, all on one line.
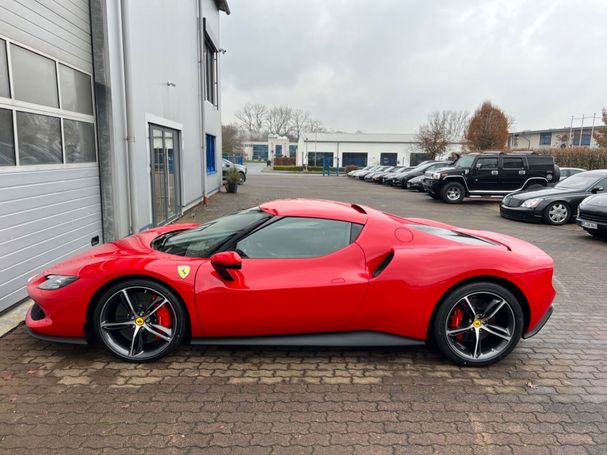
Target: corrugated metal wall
{"points": [[45, 216], [49, 214], [60, 28]]}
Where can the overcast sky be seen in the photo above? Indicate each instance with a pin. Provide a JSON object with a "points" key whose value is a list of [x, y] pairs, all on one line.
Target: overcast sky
{"points": [[384, 65]]}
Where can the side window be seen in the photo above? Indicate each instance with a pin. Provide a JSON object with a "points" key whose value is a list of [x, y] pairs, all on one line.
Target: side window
{"points": [[486, 163], [603, 184], [297, 238], [513, 163]]}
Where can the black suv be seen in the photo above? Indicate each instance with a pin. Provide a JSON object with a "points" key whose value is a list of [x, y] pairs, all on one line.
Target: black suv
{"points": [[491, 174]]}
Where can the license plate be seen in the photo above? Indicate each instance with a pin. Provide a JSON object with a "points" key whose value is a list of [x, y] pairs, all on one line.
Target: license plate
{"points": [[588, 225]]}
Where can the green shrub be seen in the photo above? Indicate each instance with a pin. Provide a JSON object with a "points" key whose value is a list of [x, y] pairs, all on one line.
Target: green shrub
{"points": [[288, 168]]}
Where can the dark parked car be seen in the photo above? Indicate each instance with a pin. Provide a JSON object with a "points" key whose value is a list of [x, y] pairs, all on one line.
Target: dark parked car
{"points": [[491, 174], [371, 175], [374, 169], [416, 183], [402, 179], [380, 176], [592, 215], [389, 178], [556, 205]]}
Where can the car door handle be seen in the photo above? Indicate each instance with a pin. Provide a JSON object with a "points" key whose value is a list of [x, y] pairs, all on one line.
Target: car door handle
{"points": [[522, 172], [494, 172], [337, 281]]}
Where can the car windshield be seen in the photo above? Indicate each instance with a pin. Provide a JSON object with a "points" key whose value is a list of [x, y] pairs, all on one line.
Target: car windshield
{"points": [[579, 181], [202, 241], [464, 162]]}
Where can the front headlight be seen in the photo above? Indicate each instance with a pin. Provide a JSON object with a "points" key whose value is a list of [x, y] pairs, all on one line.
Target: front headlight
{"points": [[56, 282], [532, 203], [436, 175]]}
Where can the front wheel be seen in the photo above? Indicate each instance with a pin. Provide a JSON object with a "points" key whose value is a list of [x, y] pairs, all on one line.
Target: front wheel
{"points": [[453, 193], [478, 324], [557, 213], [242, 177], [139, 320]]}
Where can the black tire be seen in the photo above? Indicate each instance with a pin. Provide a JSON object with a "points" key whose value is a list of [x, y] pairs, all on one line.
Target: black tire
{"points": [[557, 213], [497, 347], [243, 177], [152, 338], [453, 193]]}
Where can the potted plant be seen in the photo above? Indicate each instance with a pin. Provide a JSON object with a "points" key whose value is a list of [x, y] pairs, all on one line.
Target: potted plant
{"points": [[232, 180]]}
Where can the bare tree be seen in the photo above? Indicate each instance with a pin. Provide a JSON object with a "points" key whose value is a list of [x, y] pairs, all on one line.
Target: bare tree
{"points": [[231, 140], [300, 122], [278, 120], [252, 119], [441, 129], [600, 135]]}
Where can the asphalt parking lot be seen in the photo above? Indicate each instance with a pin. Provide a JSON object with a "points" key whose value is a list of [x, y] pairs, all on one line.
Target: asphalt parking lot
{"points": [[548, 397]]}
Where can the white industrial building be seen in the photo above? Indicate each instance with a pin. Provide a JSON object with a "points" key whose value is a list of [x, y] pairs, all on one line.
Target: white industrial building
{"points": [[555, 137], [110, 123], [275, 146], [362, 149]]}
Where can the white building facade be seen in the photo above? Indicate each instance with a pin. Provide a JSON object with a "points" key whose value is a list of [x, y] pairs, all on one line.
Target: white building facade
{"points": [[109, 124], [361, 149], [555, 137]]}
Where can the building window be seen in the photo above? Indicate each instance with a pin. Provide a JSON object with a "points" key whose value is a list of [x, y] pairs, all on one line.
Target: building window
{"points": [[34, 77], [354, 159], [79, 141], [278, 150], [292, 150], [210, 71], [211, 168], [7, 141], [39, 139], [545, 138], [260, 152], [318, 159], [76, 93], [52, 131], [4, 84]]}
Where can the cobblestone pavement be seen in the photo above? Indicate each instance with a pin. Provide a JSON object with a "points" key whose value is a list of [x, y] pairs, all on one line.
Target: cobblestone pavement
{"points": [[548, 397]]}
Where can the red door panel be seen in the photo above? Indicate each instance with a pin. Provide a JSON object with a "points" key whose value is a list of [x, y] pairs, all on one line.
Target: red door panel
{"points": [[283, 296]]}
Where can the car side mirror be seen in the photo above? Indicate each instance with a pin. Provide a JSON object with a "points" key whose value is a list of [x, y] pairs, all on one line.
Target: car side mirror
{"points": [[597, 189], [224, 262]]}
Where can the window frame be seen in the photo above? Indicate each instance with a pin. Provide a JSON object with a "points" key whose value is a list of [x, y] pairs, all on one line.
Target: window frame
{"points": [[486, 158], [210, 153], [15, 106], [522, 160], [210, 50]]}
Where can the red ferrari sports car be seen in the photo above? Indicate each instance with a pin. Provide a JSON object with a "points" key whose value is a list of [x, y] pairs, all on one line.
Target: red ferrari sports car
{"points": [[299, 272]]}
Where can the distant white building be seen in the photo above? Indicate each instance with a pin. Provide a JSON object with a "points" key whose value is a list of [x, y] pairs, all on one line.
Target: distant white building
{"points": [[275, 146], [362, 149], [555, 137]]}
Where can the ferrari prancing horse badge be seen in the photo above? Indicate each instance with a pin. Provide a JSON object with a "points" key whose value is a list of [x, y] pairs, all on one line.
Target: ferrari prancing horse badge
{"points": [[183, 270]]}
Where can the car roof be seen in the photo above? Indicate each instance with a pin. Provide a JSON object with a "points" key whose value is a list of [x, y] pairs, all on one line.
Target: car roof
{"points": [[597, 172], [317, 208]]}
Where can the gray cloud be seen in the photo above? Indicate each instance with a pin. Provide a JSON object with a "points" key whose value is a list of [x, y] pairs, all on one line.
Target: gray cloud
{"points": [[383, 65]]}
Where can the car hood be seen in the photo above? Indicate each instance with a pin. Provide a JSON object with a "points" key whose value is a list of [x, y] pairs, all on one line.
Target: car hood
{"points": [[136, 245], [596, 202]]}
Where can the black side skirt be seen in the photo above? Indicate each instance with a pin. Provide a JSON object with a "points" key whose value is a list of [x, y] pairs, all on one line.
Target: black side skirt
{"points": [[67, 340], [540, 324], [344, 339]]}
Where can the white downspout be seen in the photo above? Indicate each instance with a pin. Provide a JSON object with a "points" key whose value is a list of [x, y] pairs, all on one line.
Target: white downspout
{"points": [[128, 106]]}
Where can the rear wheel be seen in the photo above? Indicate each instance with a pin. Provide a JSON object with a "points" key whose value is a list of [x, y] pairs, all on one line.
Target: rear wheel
{"points": [[139, 320], [453, 193], [557, 213], [478, 324]]}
